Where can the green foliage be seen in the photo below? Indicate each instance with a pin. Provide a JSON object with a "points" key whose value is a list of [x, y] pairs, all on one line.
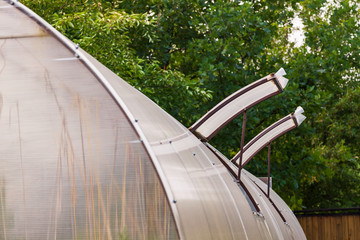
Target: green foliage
{"points": [[338, 181], [123, 42], [188, 55]]}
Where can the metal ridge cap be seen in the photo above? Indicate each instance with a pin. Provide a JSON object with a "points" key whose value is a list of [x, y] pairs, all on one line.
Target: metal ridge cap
{"points": [[70, 45]]}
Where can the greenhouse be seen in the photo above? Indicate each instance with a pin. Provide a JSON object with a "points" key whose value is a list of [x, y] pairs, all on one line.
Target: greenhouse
{"points": [[84, 155]]}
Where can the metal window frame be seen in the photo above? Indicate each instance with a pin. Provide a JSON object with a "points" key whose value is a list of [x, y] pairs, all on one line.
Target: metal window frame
{"points": [[297, 119], [271, 77], [262, 134]]}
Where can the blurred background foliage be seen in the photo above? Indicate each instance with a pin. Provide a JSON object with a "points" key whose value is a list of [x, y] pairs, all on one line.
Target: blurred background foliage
{"points": [[188, 55]]}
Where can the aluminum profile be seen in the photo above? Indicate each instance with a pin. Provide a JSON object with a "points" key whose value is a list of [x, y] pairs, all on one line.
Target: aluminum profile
{"points": [[269, 134], [238, 102]]}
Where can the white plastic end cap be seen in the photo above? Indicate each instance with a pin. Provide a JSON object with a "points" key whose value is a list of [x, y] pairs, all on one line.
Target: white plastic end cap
{"points": [[282, 80], [299, 110], [299, 115], [281, 72], [300, 118]]}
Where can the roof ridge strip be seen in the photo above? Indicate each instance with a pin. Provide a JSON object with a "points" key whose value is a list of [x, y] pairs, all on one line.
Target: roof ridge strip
{"points": [[72, 47]]}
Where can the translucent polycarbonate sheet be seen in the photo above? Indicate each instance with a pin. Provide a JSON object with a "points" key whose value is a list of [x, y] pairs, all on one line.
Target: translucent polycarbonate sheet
{"points": [[15, 25], [208, 203], [205, 200], [291, 220], [71, 164], [258, 190], [161, 126], [207, 195], [222, 114], [264, 138]]}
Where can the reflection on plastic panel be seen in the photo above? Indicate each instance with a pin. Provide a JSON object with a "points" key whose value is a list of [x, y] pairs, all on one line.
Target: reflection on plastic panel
{"points": [[71, 165]]}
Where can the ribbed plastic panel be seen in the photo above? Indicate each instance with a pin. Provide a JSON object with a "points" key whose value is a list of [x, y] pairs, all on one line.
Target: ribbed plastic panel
{"points": [[83, 155], [71, 164], [209, 203]]}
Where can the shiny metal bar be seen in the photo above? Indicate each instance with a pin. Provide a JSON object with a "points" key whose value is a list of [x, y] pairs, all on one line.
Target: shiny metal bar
{"points": [[242, 146], [268, 182]]}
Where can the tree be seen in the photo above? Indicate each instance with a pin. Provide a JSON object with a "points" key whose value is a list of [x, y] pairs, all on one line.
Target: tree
{"points": [[327, 69], [188, 55], [122, 41]]}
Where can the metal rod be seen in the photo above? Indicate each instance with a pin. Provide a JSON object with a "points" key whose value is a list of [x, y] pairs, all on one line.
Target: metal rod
{"points": [[268, 181], [242, 145]]}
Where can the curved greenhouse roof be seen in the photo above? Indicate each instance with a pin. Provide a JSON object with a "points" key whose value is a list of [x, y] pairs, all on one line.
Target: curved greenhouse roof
{"points": [[84, 155]]}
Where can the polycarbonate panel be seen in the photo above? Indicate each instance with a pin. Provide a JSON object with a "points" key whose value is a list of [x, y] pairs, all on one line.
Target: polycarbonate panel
{"points": [[273, 226], [71, 164], [289, 228], [161, 127], [13, 24], [265, 137], [72, 157], [207, 195], [208, 202], [222, 115]]}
